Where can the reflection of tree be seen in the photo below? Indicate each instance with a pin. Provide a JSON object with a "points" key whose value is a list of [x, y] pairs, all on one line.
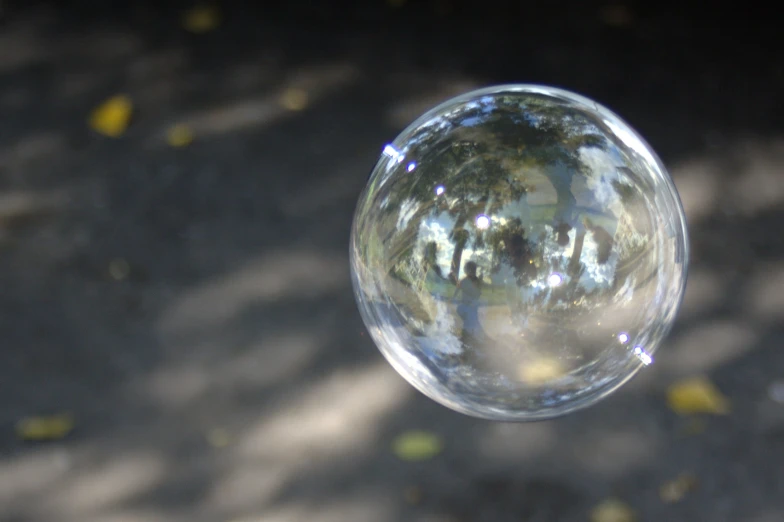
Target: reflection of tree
{"points": [[511, 246], [472, 162]]}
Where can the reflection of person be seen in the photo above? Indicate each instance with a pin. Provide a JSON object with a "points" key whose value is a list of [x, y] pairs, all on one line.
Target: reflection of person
{"points": [[431, 258], [468, 292], [433, 277], [562, 234]]}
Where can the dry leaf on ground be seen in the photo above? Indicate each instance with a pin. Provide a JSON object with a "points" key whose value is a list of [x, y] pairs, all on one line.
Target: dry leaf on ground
{"points": [[417, 445], [112, 117], [179, 136], [674, 490], [53, 427], [294, 99], [697, 395], [612, 510]]}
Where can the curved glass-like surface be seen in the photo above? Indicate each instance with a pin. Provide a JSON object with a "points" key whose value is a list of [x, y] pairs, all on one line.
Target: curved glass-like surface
{"points": [[519, 252]]}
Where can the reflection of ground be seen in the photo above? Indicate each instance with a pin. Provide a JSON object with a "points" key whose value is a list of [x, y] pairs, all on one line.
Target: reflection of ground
{"points": [[223, 373]]}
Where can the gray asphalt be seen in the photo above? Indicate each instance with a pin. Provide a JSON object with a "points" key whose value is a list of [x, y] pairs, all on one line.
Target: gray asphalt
{"points": [[192, 308]]}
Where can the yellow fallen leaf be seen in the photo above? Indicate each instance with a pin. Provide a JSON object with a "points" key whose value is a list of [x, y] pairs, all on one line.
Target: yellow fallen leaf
{"points": [[674, 490], [201, 19], [111, 118], [612, 510], [218, 438], [119, 269], [294, 99], [179, 136], [417, 445], [53, 427], [697, 395]]}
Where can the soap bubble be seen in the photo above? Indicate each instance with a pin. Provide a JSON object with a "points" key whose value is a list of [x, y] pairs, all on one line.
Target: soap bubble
{"points": [[519, 253]]}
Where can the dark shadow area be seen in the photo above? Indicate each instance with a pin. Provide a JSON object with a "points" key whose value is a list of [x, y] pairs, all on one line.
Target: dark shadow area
{"points": [[192, 306]]}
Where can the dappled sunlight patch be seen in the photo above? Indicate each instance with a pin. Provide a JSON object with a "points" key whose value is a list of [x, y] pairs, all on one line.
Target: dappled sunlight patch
{"points": [[32, 473], [358, 504], [709, 345], [698, 181], [277, 358], [125, 515], [21, 207], [21, 44], [119, 479], [433, 92], [35, 148], [181, 384], [337, 416], [284, 274], [270, 360], [260, 112], [248, 483], [504, 443]]}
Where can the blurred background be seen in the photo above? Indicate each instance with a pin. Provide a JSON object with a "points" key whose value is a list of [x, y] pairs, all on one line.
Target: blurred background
{"points": [[179, 339]]}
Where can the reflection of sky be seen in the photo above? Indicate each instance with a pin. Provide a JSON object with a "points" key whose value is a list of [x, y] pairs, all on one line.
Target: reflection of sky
{"points": [[407, 210], [440, 334], [599, 191], [596, 275], [471, 121]]}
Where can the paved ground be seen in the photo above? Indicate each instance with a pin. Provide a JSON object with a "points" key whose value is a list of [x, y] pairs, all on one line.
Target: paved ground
{"points": [[223, 373]]}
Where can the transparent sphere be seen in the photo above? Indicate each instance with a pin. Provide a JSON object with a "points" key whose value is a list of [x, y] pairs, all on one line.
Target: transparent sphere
{"points": [[519, 252]]}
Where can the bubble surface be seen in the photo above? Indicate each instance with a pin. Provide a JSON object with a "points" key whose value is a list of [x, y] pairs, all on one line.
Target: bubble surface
{"points": [[519, 252]]}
